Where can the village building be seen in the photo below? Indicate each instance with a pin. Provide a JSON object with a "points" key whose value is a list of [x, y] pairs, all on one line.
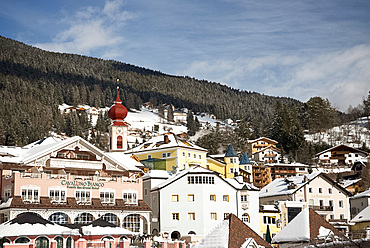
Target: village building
{"points": [[193, 201], [269, 219], [359, 202], [71, 181], [263, 150], [169, 152], [282, 170], [340, 155], [321, 193]]}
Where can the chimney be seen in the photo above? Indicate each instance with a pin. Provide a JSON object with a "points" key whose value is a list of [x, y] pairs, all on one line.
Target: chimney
{"points": [[166, 139]]}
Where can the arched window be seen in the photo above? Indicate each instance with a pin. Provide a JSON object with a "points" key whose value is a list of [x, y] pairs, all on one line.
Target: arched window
{"points": [[107, 238], [175, 235], [59, 241], [245, 218], [59, 218], [112, 218], [41, 242], [22, 240], [132, 222], [192, 233], [119, 142], [69, 242], [84, 218]]}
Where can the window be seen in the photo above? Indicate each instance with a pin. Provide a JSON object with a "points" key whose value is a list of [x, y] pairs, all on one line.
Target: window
{"points": [[341, 216], [84, 218], [59, 218], [145, 191], [42, 242], [163, 155], [189, 154], [30, 195], [320, 190], [200, 156], [212, 197], [309, 190], [330, 190], [149, 156], [191, 198], [330, 203], [168, 154], [7, 194], [245, 218], [174, 198], [107, 196], [244, 198], [225, 198], [83, 196], [191, 216], [175, 216], [231, 170], [57, 195], [81, 156], [195, 155], [213, 216], [226, 215], [183, 154], [311, 202], [341, 204], [267, 220], [130, 197], [119, 142], [111, 218], [132, 222], [201, 180]]}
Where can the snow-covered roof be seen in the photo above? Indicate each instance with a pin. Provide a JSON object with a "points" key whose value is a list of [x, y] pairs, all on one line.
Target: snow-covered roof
{"points": [[362, 194], [267, 148], [158, 143], [46, 146], [298, 229], [288, 165], [240, 185], [347, 183], [31, 224], [280, 185], [218, 237], [348, 148], [157, 174], [263, 138], [193, 169], [362, 216]]}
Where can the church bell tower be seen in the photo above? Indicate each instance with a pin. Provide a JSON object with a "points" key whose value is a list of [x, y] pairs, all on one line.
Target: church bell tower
{"points": [[118, 129]]}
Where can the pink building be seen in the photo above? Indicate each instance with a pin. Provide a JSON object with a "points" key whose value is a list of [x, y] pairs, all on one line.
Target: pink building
{"points": [[71, 181]]}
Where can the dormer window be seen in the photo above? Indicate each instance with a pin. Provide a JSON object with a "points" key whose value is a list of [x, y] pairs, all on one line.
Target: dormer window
{"points": [[130, 197], [30, 195], [83, 196], [107, 196], [57, 195]]}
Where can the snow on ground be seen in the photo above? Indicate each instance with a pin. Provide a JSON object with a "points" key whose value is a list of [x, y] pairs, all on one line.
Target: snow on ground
{"points": [[354, 134]]}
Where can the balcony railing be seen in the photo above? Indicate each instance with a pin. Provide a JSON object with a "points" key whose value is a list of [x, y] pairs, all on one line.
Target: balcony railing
{"points": [[322, 208]]}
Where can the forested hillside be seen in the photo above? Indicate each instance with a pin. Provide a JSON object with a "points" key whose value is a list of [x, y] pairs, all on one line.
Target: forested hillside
{"points": [[33, 82]]}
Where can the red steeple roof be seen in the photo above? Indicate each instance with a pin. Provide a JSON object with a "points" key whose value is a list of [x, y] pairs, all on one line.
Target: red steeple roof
{"points": [[117, 112]]}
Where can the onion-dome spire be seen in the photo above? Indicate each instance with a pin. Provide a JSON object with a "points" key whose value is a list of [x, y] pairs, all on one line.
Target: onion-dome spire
{"points": [[117, 112]]}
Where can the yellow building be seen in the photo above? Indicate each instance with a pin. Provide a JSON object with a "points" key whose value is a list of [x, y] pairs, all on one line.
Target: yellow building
{"points": [[169, 152], [269, 216]]}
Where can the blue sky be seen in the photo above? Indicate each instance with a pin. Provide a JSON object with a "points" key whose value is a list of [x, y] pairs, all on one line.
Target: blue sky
{"points": [[297, 49]]}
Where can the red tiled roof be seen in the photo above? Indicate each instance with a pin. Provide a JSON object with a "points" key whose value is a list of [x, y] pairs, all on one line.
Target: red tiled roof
{"points": [[238, 232]]}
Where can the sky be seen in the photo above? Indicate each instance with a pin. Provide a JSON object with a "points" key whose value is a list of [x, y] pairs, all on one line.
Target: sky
{"points": [[297, 49]]}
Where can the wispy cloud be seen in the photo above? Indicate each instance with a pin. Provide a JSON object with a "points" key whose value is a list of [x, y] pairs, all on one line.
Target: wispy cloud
{"points": [[342, 76], [91, 29]]}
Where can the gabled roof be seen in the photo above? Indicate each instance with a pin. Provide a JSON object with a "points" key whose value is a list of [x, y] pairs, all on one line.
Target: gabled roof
{"points": [[231, 233], [263, 138], [230, 152], [363, 216], [306, 226], [46, 147], [280, 186], [266, 148], [160, 143], [200, 170], [366, 193], [341, 147], [245, 159]]}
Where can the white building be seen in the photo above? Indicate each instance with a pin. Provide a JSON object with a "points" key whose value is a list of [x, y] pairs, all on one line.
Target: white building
{"points": [[322, 194], [195, 200], [340, 155]]}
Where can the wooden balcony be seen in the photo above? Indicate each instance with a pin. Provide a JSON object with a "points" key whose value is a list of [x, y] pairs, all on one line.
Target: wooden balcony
{"points": [[322, 208]]}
